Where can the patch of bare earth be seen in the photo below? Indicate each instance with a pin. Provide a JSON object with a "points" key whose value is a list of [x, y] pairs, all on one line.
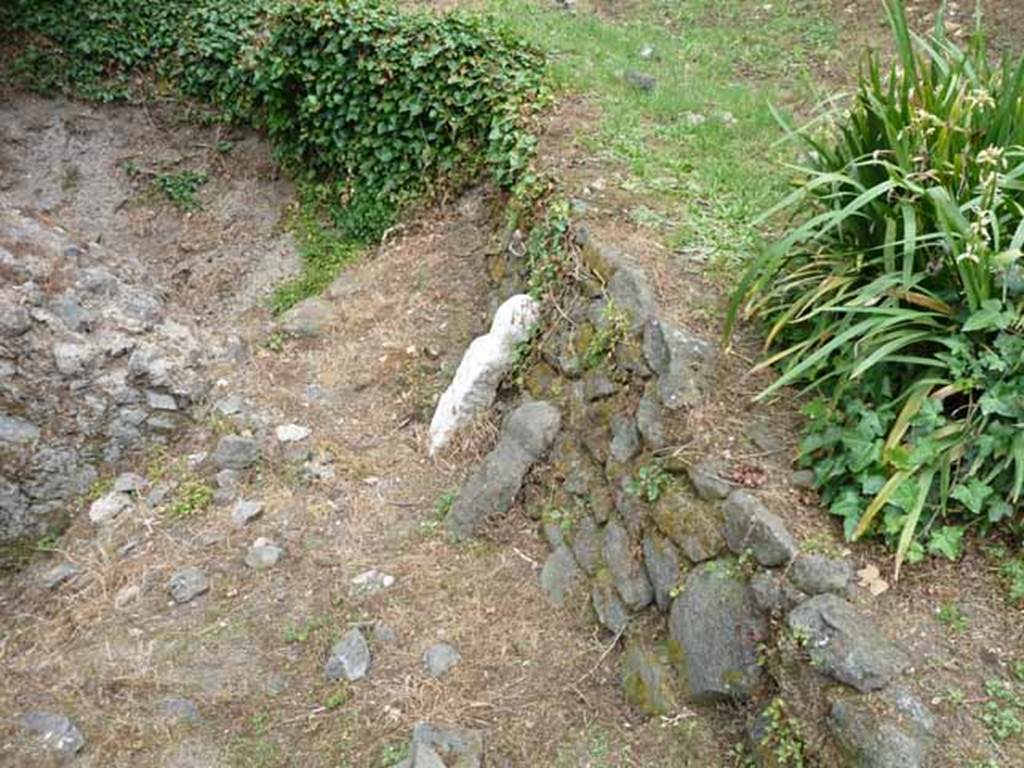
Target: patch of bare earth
{"points": [[108, 647]]}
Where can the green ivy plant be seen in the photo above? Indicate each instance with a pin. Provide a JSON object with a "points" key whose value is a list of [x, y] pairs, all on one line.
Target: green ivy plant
{"points": [[381, 103], [896, 296]]}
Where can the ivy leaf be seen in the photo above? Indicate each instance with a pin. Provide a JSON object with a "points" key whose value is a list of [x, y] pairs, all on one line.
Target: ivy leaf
{"points": [[972, 494], [947, 541], [998, 509], [861, 451]]}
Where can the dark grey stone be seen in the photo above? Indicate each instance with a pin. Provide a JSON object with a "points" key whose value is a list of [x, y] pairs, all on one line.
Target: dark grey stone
{"points": [[586, 545], [650, 422], [641, 81], [630, 292], [662, 564], [749, 525], [439, 659], [773, 593], [349, 658], [14, 319], [236, 452], [627, 573], [57, 733], [883, 730], [188, 584], [625, 442], [526, 435], [716, 628], [597, 385], [559, 574], [683, 363], [608, 606], [817, 574], [707, 481], [845, 645]]}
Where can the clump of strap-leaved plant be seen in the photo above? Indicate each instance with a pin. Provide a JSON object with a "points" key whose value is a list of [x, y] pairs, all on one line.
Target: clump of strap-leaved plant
{"points": [[374, 105], [895, 296]]}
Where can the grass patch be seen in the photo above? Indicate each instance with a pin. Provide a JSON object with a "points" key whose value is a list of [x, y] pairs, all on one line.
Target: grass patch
{"points": [[330, 233], [701, 142]]}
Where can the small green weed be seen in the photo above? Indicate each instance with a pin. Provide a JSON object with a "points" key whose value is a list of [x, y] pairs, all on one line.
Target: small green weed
{"points": [[337, 699], [300, 633], [182, 188], [1003, 713], [191, 498], [952, 616], [391, 754], [782, 738], [613, 328], [649, 484]]}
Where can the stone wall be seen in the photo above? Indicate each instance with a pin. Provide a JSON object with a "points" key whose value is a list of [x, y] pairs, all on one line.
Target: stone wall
{"points": [[92, 365], [634, 530]]}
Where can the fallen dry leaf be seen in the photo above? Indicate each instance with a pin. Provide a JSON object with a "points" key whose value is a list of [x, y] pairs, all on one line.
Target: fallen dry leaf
{"points": [[871, 579]]}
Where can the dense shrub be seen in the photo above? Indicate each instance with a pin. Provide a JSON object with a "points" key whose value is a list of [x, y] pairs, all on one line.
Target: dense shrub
{"points": [[896, 296], [384, 101]]}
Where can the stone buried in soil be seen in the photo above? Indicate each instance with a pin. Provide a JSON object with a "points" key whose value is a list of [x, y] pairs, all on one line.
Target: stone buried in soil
{"points": [[245, 512], [349, 658], [60, 574], [559, 574], [846, 645], [370, 583], [307, 319], [647, 682], [527, 433], [716, 628], [883, 730], [179, 710], [129, 482], [188, 584], [57, 733], [263, 554], [439, 659], [109, 506], [749, 525], [816, 574], [236, 452], [457, 747], [291, 433]]}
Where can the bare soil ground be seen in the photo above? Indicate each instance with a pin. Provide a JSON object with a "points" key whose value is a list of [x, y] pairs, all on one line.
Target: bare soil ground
{"points": [[542, 682]]}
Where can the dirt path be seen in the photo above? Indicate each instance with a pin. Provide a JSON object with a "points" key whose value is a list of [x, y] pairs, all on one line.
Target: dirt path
{"points": [[109, 648]]}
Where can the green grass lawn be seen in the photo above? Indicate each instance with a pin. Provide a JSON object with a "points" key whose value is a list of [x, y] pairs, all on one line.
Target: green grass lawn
{"points": [[724, 62]]}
